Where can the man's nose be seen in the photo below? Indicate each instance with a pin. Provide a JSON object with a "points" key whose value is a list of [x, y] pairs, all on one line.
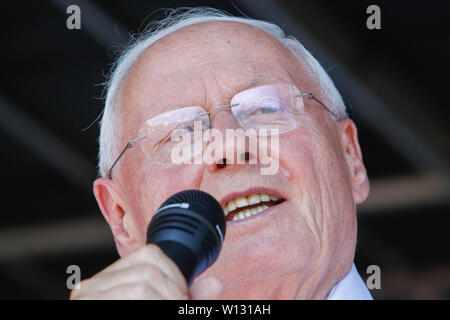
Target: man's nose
{"points": [[236, 148]]}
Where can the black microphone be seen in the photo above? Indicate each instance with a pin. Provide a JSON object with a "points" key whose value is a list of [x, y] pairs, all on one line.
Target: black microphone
{"points": [[189, 227]]}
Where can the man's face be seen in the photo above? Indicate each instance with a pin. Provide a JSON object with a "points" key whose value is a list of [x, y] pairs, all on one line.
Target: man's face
{"points": [[313, 229]]}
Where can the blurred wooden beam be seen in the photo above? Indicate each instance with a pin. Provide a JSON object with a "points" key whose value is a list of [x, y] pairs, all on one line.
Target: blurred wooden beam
{"points": [[404, 192], [45, 145], [93, 233], [55, 238]]}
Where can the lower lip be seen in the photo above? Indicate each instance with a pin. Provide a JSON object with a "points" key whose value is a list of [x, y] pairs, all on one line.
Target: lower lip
{"points": [[256, 216]]}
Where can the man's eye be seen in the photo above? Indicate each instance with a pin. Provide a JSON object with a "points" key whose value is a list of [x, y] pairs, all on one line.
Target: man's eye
{"points": [[267, 110], [185, 130], [264, 110], [179, 132]]}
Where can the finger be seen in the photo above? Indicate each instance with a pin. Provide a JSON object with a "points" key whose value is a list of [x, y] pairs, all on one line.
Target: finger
{"points": [[150, 254], [129, 291], [149, 274], [207, 288]]}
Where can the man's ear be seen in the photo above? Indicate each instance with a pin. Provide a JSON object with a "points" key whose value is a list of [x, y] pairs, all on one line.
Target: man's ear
{"points": [[111, 205], [353, 157]]}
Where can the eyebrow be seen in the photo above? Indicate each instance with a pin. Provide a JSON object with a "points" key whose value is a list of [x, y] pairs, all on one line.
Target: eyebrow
{"points": [[262, 78], [259, 79]]}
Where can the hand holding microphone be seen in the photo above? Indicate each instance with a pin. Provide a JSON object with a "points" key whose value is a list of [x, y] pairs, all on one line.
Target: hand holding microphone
{"points": [[185, 236]]}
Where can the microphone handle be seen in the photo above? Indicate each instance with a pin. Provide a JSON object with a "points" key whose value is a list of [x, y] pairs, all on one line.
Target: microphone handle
{"points": [[183, 257]]}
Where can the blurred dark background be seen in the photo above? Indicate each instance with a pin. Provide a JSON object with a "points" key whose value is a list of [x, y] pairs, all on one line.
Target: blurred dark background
{"points": [[394, 81]]}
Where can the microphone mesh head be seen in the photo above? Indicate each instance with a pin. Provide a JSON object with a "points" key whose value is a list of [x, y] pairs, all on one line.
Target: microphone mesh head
{"points": [[207, 206]]}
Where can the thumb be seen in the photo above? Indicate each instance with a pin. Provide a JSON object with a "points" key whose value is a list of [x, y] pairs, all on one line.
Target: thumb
{"points": [[206, 289]]}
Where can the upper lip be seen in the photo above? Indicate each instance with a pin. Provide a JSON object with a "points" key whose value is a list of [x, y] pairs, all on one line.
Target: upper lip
{"points": [[248, 192]]}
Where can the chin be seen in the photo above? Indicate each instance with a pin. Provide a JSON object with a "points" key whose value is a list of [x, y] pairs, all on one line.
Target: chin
{"points": [[256, 261]]}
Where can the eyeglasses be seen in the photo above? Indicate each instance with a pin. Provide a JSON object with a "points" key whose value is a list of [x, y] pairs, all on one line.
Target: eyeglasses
{"points": [[278, 107]]}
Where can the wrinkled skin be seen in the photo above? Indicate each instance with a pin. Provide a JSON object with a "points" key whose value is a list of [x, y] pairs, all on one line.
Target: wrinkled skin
{"points": [[299, 249]]}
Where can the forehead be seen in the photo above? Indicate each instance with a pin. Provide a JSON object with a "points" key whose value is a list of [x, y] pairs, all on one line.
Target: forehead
{"points": [[203, 64]]}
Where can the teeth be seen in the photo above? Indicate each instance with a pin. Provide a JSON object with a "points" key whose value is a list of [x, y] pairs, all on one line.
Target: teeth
{"points": [[249, 212], [246, 201], [231, 205], [241, 202], [254, 199]]}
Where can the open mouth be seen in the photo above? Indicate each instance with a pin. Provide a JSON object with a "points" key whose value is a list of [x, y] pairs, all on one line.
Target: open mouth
{"points": [[245, 207]]}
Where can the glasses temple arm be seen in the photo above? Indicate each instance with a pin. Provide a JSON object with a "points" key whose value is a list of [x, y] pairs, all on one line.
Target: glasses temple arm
{"points": [[128, 146], [311, 96]]}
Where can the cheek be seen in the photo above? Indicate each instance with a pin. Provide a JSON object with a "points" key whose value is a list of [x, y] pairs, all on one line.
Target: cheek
{"points": [[285, 246], [313, 159], [323, 191], [153, 186], [303, 156]]}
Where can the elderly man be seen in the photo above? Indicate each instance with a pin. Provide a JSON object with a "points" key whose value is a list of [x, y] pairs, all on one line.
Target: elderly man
{"points": [[300, 241]]}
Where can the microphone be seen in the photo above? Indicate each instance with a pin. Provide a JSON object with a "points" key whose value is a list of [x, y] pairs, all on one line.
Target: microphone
{"points": [[189, 227]]}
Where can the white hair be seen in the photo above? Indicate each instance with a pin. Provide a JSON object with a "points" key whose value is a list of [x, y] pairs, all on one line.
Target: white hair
{"points": [[177, 19]]}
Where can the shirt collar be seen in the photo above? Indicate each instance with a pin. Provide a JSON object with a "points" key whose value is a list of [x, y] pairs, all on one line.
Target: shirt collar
{"points": [[351, 287]]}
